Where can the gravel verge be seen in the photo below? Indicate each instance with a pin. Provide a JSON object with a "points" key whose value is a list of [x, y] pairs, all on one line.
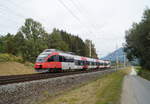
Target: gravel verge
{"points": [[34, 91]]}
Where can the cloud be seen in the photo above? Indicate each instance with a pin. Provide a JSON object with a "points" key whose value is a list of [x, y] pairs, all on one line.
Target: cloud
{"points": [[102, 21]]}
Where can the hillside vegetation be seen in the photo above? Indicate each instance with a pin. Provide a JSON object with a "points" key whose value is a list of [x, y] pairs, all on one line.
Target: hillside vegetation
{"points": [[32, 39], [10, 58], [15, 68], [12, 65]]}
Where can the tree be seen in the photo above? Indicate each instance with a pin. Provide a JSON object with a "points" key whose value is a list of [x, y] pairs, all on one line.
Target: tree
{"points": [[32, 39], [57, 42], [33, 33], [2, 48], [90, 47], [9, 44], [138, 41]]}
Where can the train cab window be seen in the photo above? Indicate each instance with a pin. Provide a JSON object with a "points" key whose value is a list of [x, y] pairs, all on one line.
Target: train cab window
{"points": [[54, 58], [50, 59]]}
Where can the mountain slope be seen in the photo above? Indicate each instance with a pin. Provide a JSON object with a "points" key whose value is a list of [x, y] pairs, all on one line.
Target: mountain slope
{"points": [[117, 53]]}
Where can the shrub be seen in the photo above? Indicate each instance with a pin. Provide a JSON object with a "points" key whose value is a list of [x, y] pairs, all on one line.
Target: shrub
{"points": [[8, 57]]}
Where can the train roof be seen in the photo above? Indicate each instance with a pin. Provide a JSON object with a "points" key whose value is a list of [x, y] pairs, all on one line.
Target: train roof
{"points": [[70, 54]]}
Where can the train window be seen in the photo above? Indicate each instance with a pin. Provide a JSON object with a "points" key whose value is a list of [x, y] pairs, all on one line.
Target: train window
{"points": [[80, 62], [96, 63], [76, 62], [83, 62], [92, 63], [54, 58], [50, 59], [87, 63], [71, 60], [40, 60], [62, 59]]}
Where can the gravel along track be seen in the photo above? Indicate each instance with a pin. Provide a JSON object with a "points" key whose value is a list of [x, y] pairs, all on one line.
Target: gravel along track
{"points": [[30, 77]]}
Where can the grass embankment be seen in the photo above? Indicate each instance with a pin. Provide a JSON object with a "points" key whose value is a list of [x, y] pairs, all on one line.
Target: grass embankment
{"points": [[105, 90], [15, 68], [143, 73], [12, 65]]}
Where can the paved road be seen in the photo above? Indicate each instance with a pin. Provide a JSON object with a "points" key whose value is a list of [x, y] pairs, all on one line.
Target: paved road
{"points": [[136, 90]]}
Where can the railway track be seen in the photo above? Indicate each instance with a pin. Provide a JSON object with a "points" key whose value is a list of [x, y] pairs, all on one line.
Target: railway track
{"points": [[30, 77]]}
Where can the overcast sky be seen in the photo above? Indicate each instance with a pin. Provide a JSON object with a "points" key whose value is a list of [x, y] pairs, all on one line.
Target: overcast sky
{"points": [[102, 21]]}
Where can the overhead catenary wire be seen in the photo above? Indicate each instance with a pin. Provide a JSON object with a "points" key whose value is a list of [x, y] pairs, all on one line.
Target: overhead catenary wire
{"points": [[74, 15], [92, 25], [21, 15], [68, 9]]}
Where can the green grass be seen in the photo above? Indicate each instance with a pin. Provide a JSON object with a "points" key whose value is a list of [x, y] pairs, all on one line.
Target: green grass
{"points": [[110, 94], [143, 73], [105, 90], [4, 57]]}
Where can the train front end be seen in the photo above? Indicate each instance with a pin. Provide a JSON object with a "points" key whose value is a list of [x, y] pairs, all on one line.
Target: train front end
{"points": [[40, 65]]}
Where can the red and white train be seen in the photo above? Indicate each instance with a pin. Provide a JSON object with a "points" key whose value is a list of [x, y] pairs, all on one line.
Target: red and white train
{"points": [[51, 60]]}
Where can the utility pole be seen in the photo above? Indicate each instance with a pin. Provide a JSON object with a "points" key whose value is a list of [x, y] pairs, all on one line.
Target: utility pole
{"points": [[116, 58], [90, 46], [124, 60]]}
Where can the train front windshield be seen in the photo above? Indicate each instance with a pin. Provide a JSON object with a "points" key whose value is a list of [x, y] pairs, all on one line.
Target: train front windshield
{"points": [[41, 57]]}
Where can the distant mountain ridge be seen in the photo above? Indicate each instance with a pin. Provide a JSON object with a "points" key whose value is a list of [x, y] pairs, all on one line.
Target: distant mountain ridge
{"points": [[117, 53]]}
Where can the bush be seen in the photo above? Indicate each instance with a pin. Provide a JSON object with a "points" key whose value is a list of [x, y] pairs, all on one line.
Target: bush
{"points": [[29, 64], [8, 57]]}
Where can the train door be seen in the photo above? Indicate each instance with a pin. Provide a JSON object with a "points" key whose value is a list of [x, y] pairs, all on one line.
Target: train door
{"points": [[70, 63], [65, 64]]}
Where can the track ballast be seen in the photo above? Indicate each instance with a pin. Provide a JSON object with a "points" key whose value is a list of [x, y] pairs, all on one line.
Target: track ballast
{"points": [[30, 77]]}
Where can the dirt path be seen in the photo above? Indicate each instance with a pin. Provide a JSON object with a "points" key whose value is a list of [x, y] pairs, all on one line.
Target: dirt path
{"points": [[136, 90]]}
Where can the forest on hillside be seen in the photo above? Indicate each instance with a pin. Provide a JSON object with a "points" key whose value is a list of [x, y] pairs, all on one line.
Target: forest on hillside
{"points": [[31, 39]]}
